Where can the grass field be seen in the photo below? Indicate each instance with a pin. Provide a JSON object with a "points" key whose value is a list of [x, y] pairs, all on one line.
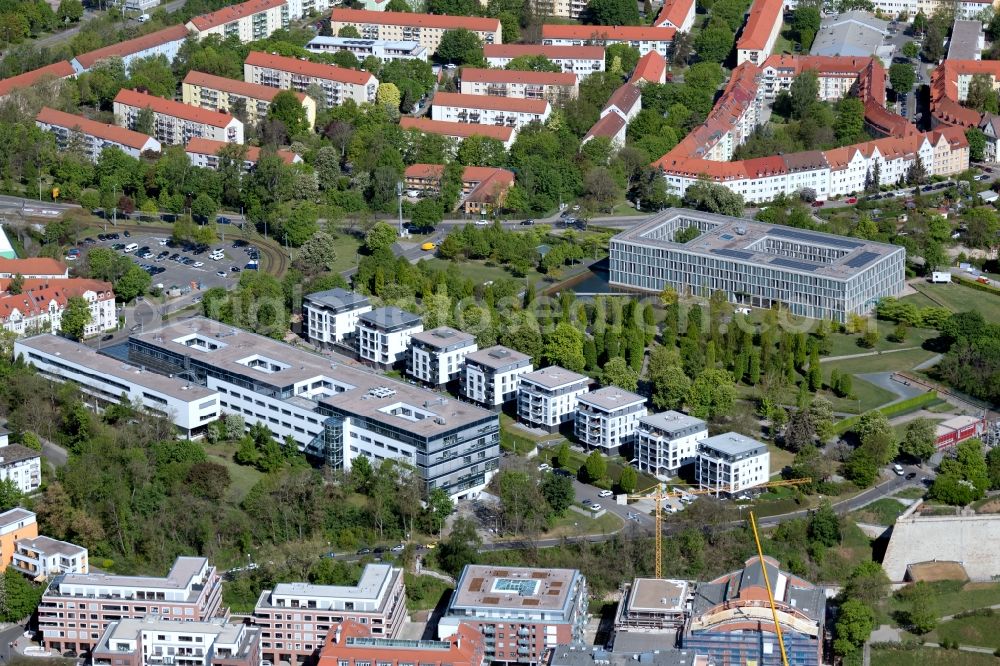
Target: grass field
{"points": [[871, 396], [576, 524], [910, 493], [243, 478], [881, 512], [780, 458], [950, 597], [347, 252], [930, 657], [980, 630], [958, 298], [903, 360], [855, 547], [424, 592], [842, 344]]}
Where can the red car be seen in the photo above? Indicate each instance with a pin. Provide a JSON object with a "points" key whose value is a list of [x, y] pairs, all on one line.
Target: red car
{"points": [[851, 200], [817, 204]]}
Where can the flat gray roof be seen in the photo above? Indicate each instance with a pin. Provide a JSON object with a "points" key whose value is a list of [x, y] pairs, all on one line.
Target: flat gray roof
{"points": [[733, 443], [610, 398], [653, 594], [15, 515], [966, 41], [338, 300], [488, 586], [130, 628], [854, 33], [630, 649], [497, 357], [390, 319], [554, 377], [179, 577], [443, 336], [745, 241], [671, 421], [373, 580]]}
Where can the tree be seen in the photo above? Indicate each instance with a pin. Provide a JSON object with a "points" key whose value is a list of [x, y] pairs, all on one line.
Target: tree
{"points": [[867, 583], [934, 41], [920, 614], [318, 254], [70, 11], [824, 526], [10, 495], [628, 480], [533, 63], [911, 50], [713, 198], [712, 394], [349, 31], [977, 143], [144, 121], [380, 237], [804, 91], [204, 207], [388, 95], [902, 77], [806, 23], [670, 388], [460, 548], [919, 24], [849, 126], [855, 623], [75, 317], [286, 108], [595, 467], [558, 492], [612, 12], [460, 47], [800, 431], [992, 467], [981, 96], [920, 439], [715, 42], [617, 372], [564, 347], [875, 434], [20, 597]]}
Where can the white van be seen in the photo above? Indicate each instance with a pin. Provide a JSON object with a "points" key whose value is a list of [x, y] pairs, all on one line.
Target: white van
{"points": [[142, 18], [131, 247], [217, 254]]}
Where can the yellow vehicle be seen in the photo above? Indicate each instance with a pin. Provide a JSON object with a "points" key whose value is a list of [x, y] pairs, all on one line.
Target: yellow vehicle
{"points": [[428, 246]]}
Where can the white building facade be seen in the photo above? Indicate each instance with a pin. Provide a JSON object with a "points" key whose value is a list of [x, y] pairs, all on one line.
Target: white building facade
{"points": [[731, 463], [42, 557], [608, 417], [547, 398], [487, 110], [339, 83], [436, 356], [666, 441], [492, 376], [174, 122], [384, 335], [580, 60], [332, 316]]}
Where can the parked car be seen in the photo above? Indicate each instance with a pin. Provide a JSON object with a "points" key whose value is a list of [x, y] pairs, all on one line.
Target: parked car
{"points": [[605, 493], [898, 469], [818, 204], [851, 200]]}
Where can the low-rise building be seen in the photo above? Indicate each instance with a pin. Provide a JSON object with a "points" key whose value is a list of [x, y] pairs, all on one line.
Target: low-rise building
{"points": [[41, 558], [40, 303], [483, 188], [731, 463], [33, 267], [677, 14], [851, 34], [624, 104], [492, 376], [209, 154], [384, 335], [947, 433], [580, 60], [551, 86], [247, 21], [488, 110], [521, 612], [175, 123], [642, 38], [76, 609], [386, 51], [377, 602], [217, 93], [547, 398], [608, 417], [20, 465], [666, 441], [166, 43], [331, 316], [459, 131], [350, 643], [651, 68], [967, 41], [427, 29], [653, 606], [339, 83], [15, 525], [436, 356], [91, 137], [151, 640], [760, 32]]}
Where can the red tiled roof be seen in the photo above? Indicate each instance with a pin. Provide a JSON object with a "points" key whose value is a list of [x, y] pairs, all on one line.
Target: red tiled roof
{"points": [[492, 183], [32, 266], [458, 130], [121, 49], [511, 104], [651, 68], [674, 12], [624, 98], [763, 15], [608, 126], [169, 107], [444, 22], [309, 68], [624, 33], [552, 52], [945, 106], [36, 295], [233, 13], [424, 171], [475, 74], [119, 135], [202, 146], [242, 88], [60, 70]]}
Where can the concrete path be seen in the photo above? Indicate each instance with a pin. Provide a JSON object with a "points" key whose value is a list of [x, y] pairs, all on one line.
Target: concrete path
{"points": [[932, 361], [864, 354], [886, 633]]}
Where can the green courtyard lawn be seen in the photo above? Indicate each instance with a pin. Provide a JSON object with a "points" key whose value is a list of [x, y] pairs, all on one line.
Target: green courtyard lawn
{"points": [[979, 630], [243, 478], [880, 512], [950, 597], [424, 592], [959, 298], [479, 271], [894, 362], [929, 657], [843, 344], [866, 395]]}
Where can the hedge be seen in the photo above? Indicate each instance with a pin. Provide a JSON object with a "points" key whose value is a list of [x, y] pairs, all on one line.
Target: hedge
{"points": [[895, 409], [975, 285]]}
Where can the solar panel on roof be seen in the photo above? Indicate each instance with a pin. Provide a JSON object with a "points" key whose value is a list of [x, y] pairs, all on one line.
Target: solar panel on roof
{"points": [[861, 259], [738, 254], [813, 238], [792, 263]]}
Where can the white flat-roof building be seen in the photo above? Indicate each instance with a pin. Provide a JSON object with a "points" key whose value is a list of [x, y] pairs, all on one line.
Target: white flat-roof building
{"points": [[492, 376], [20, 464], [608, 417], [731, 462], [666, 441], [436, 356], [652, 605], [331, 316], [384, 335], [384, 50], [152, 640], [580, 60], [42, 557], [547, 398]]}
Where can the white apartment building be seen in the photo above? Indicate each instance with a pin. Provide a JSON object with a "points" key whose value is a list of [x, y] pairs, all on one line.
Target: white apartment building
{"points": [[247, 21], [384, 335], [580, 60], [19, 464], [608, 417], [41, 303], [492, 376], [547, 398], [436, 356], [666, 441], [298, 9], [552, 86], [760, 32], [677, 14], [731, 463], [385, 51], [339, 83], [42, 557], [152, 640], [427, 29], [188, 406], [91, 136], [332, 316], [487, 110], [642, 38], [166, 42], [175, 122], [217, 93]]}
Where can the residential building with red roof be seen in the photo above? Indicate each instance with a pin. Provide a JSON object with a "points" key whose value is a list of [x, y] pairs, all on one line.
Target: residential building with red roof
{"points": [[580, 60], [427, 29], [643, 38], [57, 70], [175, 123], [651, 68], [339, 83], [166, 42], [760, 32], [247, 21], [38, 308], [488, 110], [217, 93], [950, 87], [93, 137], [568, 9], [678, 14], [459, 131], [205, 153], [351, 643], [610, 126], [553, 86], [33, 267], [837, 75], [624, 104], [483, 188]]}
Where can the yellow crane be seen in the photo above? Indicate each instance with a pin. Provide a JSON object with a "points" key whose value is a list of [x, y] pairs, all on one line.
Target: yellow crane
{"points": [[661, 495], [770, 593]]}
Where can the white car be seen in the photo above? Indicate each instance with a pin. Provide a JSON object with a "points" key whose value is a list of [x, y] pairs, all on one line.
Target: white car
{"points": [[162, 241], [221, 273], [898, 469], [482, 223], [544, 467], [198, 264], [605, 493]]}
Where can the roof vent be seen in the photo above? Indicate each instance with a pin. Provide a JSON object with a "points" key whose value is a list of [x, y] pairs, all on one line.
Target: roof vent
{"points": [[741, 231]]}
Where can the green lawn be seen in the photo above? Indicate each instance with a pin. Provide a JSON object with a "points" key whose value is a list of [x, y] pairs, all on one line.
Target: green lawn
{"points": [[843, 344], [784, 43], [979, 630], [958, 298], [347, 252], [424, 592], [871, 396], [478, 270], [930, 657], [243, 478], [904, 360], [950, 597], [780, 458], [910, 493], [576, 524], [881, 512]]}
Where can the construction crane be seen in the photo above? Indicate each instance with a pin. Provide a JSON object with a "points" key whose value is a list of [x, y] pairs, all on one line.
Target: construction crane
{"points": [[770, 593], [662, 495]]}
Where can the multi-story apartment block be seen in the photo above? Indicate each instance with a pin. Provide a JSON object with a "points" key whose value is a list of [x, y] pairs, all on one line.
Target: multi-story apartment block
{"points": [[553, 86], [33, 267], [642, 38], [731, 463], [521, 612], [151, 641], [295, 618], [813, 274], [40, 303], [41, 557], [166, 43], [427, 29], [547, 398], [677, 14], [459, 131], [436, 356], [385, 51], [837, 76], [665, 442], [487, 110], [760, 31], [209, 154], [338, 83], [580, 60], [384, 335], [76, 609], [176, 123], [492, 376], [15, 525], [54, 72], [567, 9], [298, 9], [608, 417], [217, 93], [351, 643], [91, 137], [20, 465], [247, 21], [188, 406], [332, 316]]}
